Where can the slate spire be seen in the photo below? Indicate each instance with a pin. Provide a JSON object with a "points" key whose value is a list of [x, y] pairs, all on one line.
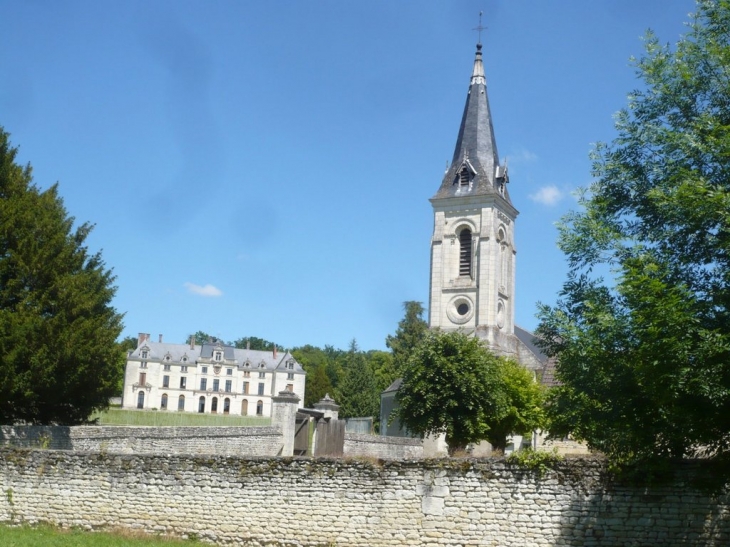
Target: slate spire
{"points": [[475, 168]]}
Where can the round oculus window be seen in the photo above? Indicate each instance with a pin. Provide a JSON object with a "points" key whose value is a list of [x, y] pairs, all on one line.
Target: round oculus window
{"points": [[462, 309]]}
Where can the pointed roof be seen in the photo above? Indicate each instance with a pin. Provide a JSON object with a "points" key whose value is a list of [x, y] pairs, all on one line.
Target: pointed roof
{"points": [[475, 168]]}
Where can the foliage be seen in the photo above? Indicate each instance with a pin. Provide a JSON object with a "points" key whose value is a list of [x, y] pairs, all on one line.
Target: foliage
{"points": [[525, 405], [644, 360], [358, 395], [318, 385], [452, 384], [411, 330], [540, 461], [59, 358], [253, 342], [381, 363]]}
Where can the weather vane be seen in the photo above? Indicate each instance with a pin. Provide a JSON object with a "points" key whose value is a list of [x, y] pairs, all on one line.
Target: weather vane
{"points": [[480, 28]]}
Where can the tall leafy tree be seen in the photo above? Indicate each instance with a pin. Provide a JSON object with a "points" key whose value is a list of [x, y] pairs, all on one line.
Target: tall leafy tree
{"points": [[411, 330], [454, 385], [358, 395], [253, 342], [59, 356], [644, 359]]}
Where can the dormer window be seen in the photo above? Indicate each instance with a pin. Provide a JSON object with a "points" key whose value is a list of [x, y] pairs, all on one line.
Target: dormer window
{"points": [[185, 359], [290, 365], [144, 353], [465, 174], [167, 357], [262, 365], [247, 364], [218, 355]]}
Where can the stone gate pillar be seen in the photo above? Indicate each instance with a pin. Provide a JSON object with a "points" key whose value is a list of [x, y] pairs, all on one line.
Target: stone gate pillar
{"points": [[328, 406], [284, 416]]}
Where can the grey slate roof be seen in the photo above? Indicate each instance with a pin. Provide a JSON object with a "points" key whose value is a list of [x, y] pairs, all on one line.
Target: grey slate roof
{"points": [[527, 338], [157, 351], [475, 145]]}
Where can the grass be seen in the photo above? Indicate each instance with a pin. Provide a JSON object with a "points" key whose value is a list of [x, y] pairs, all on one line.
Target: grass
{"points": [[48, 536], [118, 416]]}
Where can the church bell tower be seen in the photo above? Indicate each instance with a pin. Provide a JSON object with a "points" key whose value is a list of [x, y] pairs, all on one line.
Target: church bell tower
{"points": [[472, 249]]}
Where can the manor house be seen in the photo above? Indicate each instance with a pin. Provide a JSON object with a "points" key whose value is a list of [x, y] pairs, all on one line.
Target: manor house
{"points": [[211, 377]]}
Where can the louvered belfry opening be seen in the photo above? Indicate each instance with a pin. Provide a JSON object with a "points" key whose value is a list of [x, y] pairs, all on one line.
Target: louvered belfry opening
{"points": [[464, 176], [465, 252]]}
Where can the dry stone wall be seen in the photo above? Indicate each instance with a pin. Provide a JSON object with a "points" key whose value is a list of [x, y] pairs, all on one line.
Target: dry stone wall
{"points": [[377, 446], [236, 440], [306, 502]]}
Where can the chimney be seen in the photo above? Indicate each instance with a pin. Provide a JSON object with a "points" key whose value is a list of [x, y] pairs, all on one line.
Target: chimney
{"points": [[248, 344], [141, 338], [160, 340], [192, 341], [274, 351]]}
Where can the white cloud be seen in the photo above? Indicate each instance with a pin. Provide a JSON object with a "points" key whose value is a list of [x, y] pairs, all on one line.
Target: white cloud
{"points": [[547, 195], [205, 290]]}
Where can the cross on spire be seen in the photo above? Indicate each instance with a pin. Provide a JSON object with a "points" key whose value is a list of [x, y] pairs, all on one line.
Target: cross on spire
{"points": [[480, 28]]}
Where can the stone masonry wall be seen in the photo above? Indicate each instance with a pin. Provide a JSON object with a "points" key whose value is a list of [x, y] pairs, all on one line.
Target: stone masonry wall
{"points": [[306, 502], [236, 440], [388, 448]]}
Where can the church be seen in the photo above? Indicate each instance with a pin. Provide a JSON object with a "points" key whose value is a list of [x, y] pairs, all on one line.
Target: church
{"points": [[473, 248], [473, 251]]}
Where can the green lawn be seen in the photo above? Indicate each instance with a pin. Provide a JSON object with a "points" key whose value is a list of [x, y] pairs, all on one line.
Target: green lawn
{"points": [[117, 416], [47, 536]]}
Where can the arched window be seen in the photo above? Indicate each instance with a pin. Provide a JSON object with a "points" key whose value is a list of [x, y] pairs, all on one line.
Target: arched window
{"points": [[226, 406], [163, 402], [140, 400], [260, 408], [465, 252], [244, 408], [201, 404], [214, 405], [181, 402]]}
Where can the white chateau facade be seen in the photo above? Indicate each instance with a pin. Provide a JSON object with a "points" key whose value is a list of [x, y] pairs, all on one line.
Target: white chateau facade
{"points": [[473, 250], [209, 378]]}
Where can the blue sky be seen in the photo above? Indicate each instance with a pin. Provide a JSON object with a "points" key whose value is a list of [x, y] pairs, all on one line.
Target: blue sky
{"points": [[264, 168]]}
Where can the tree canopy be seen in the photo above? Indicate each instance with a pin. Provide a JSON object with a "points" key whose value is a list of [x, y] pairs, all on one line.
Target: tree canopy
{"points": [[59, 356], [357, 393], [453, 384], [644, 358], [411, 330]]}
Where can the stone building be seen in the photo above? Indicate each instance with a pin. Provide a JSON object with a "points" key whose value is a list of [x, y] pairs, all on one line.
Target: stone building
{"points": [[213, 378], [473, 249]]}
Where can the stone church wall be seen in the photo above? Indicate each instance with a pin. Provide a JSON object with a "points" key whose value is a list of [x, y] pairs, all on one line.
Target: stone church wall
{"points": [[305, 502]]}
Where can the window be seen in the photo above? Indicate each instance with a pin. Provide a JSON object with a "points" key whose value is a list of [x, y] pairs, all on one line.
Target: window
{"points": [[262, 375], [218, 355], [201, 404], [165, 367], [181, 402], [226, 406], [464, 176], [167, 357], [185, 360], [143, 364], [246, 373], [165, 381], [244, 408], [290, 365], [183, 382], [261, 388], [465, 252], [144, 354], [245, 388], [204, 370], [229, 372], [214, 405], [163, 401], [184, 368], [260, 408], [143, 379], [229, 385], [216, 384], [290, 376], [203, 384], [290, 387], [140, 399], [262, 365]]}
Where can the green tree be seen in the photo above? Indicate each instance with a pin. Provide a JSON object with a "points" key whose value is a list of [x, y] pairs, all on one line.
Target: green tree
{"points": [[411, 330], [128, 343], [452, 384], [644, 359], [318, 385], [59, 357], [381, 363], [357, 394], [201, 337], [254, 342]]}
